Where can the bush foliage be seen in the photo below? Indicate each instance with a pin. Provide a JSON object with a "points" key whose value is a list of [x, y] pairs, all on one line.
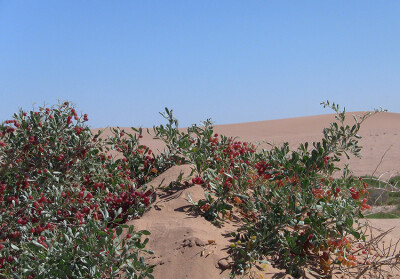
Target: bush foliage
{"points": [[64, 200], [65, 195], [294, 212]]}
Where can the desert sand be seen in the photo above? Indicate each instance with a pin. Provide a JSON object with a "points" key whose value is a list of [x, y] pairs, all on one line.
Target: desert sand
{"points": [[187, 246]]}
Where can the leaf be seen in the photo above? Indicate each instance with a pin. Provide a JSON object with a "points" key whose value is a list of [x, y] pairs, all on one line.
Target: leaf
{"points": [[355, 234], [37, 244], [349, 222], [118, 230], [14, 247], [101, 233], [263, 261]]}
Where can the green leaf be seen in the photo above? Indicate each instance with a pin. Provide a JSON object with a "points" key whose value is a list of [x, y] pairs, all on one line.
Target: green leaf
{"points": [[14, 247], [349, 222], [355, 234], [101, 233], [118, 230]]}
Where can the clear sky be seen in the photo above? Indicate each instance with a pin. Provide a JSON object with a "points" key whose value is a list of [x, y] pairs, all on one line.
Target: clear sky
{"points": [[234, 61]]}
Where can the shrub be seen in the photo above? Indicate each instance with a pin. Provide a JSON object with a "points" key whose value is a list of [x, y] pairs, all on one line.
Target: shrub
{"points": [[304, 217], [220, 163], [142, 163], [295, 213], [59, 190]]}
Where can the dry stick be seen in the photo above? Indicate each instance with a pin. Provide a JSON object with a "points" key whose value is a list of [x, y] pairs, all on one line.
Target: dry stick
{"points": [[387, 185], [387, 254], [380, 162], [367, 246]]}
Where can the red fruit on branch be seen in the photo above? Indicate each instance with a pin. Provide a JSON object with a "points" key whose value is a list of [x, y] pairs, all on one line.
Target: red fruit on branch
{"points": [[146, 201], [354, 193], [198, 180]]}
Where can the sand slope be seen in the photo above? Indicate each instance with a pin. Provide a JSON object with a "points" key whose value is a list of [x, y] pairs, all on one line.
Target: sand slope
{"points": [[186, 245], [179, 237]]}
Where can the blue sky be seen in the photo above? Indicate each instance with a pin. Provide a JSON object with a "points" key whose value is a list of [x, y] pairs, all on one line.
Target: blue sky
{"points": [[234, 61]]}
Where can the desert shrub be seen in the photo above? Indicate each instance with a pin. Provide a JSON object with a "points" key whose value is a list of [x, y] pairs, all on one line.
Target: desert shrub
{"points": [[143, 165], [90, 250], [192, 146], [56, 183], [304, 217], [295, 213], [221, 164]]}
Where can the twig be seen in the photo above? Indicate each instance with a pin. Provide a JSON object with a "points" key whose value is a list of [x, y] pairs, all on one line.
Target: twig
{"points": [[380, 162]]}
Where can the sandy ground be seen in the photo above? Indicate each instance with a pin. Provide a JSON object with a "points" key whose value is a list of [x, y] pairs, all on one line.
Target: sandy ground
{"points": [[188, 246]]}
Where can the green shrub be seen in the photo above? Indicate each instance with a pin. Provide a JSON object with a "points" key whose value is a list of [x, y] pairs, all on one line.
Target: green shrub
{"points": [[60, 191], [295, 213]]}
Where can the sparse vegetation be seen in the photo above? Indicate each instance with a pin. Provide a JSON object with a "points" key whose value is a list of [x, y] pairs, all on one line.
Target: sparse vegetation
{"points": [[64, 198], [295, 214]]}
